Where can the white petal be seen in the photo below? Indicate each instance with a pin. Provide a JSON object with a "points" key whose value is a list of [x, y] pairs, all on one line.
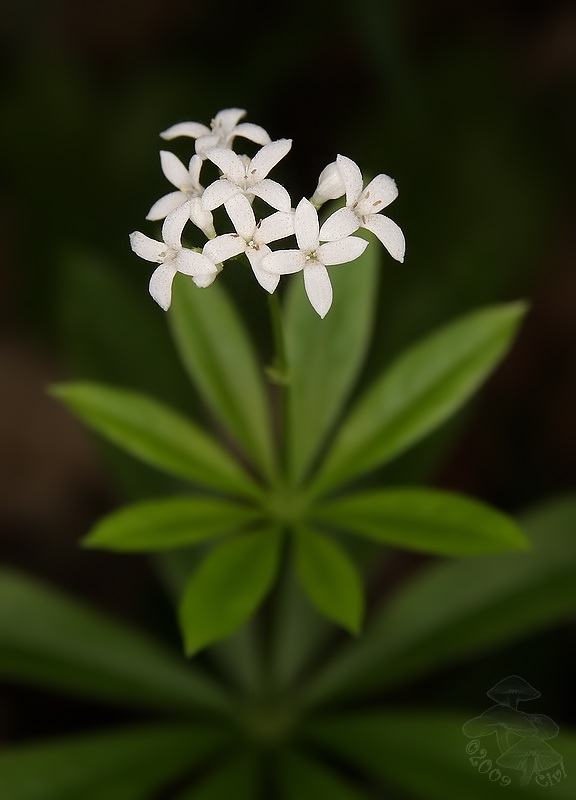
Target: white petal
{"points": [[146, 248], [389, 234], [330, 185], [192, 263], [174, 169], [318, 288], [284, 262], [204, 144], [352, 178], [267, 280], [276, 226], [253, 132], [306, 226], [268, 157], [202, 219], [377, 195], [160, 286], [223, 247], [174, 225], [202, 281], [218, 193], [228, 118], [342, 251], [272, 193], [194, 169], [229, 162], [240, 212], [339, 224], [166, 204], [192, 129]]}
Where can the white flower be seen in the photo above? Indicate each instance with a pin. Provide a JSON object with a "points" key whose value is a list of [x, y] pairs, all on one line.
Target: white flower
{"points": [[172, 258], [243, 175], [330, 186], [313, 257], [187, 181], [362, 209], [250, 238], [221, 132]]}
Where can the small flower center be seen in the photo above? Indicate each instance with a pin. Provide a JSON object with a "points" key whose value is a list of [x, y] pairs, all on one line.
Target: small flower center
{"points": [[312, 256]]}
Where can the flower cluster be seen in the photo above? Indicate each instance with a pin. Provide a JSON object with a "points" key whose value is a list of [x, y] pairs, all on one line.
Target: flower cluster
{"points": [[242, 179]]}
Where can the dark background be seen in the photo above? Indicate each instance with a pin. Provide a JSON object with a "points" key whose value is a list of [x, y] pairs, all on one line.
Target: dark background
{"points": [[471, 107]]}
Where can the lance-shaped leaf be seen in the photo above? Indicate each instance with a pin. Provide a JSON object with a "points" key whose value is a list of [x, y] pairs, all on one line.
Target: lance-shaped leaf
{"points": [[220, 359], [301, 777], [418, 392], [126, 765], [425, 755], [228, 587], [51, 640], [169, 523], [455, 610], [156, 434], [326, 355], [234, 777], [424, 519], [329, 578]]}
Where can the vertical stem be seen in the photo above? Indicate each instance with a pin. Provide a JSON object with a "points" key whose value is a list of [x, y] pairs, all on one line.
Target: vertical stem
{"points": [[278, 372]]}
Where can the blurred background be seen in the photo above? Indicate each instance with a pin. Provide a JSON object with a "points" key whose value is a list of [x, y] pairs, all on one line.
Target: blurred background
{"points": [[470, 107]]}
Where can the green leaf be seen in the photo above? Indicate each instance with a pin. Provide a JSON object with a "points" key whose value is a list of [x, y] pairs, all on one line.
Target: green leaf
{"points": [[169, 523], [50, 640], [221, 362], [227, 587], [235, 777], [456, 610], [156, 434], [303, 778], [424, 387], [425, 520], [137, 761], [329, 578], [423, 755], [326, 355]]}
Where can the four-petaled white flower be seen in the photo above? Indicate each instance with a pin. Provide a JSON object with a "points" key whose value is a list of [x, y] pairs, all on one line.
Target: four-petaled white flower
{"points": [[313, 257], [363, 207], [250, 238], [223, 128], [187, 181], [172, 258], [243, 175]]}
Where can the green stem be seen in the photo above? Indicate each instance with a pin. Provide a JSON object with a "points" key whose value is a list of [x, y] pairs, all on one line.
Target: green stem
{"points": [[278, 371]]}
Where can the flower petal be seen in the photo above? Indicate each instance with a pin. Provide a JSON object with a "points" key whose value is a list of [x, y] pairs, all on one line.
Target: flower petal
{"points": [[267, 280], [330, 185], [253, 132], [240, 212], [194, 170], [202, 281], [174, 225], [228, 118], [218, 193], [229, 162], [342, 251], [192, 129], [174, 169], [191, 262], [272, 193], [377, 195], [166, 204], [204, 144], [352, 178], [223, 247], [160, 286], [276, 226], [318, 288], [147, 248], [306, 226], [268, 157], [389, 234], [339, 224], [202, 219], [284, 262]]}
